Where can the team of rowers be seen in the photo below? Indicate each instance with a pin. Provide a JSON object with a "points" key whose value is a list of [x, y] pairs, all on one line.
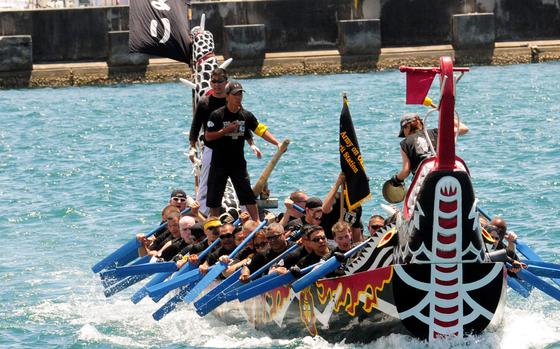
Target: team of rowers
{"points": [[318, 231]]}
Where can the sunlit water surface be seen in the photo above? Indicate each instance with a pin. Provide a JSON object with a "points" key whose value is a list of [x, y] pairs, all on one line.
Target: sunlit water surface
{"points": [[83, 169]]}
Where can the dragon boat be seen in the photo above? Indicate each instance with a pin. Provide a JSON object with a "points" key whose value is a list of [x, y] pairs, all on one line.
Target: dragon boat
{"points": [[427, 275]]}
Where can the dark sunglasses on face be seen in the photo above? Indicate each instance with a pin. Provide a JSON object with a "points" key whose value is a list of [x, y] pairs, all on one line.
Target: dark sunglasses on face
{"points": [[273, 237], [317, 218], [179, 199], [226, 236], [214, 81], [375, 226], [215, 230], [319, 238]]}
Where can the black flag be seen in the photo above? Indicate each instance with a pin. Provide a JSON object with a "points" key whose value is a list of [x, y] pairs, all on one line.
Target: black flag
{"points": [[160, 28], [351, 162]]}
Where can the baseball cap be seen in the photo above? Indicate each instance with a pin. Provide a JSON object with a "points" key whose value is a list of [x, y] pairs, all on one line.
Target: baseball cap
{"points": [[212, 223], [178, 193], [233, 87], [405, 119], [313, 203]]}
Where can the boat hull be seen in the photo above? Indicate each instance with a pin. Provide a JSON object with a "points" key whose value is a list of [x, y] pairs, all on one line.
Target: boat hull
{"points": [[371, 304]]}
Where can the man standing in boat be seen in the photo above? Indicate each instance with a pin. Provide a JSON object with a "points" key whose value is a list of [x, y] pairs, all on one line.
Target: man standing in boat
{"points": [[227, 129], [205, 107], [415, 147]]}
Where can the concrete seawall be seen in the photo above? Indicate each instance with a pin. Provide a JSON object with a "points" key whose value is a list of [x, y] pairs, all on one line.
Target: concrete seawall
{"points": [[275, 64], [273, 37]]}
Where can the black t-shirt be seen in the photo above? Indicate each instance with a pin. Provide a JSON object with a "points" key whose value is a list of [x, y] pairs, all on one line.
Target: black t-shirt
{"points": [[293, 257], [295, 223], [259, 259], [309, 259], [416, 147], [214, 256], [176, 246], [206, 105], [228, 150], [354, 218], [161, 240]]}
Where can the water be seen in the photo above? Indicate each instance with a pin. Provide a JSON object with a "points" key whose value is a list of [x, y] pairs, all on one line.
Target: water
{"points": [[82, 169]]}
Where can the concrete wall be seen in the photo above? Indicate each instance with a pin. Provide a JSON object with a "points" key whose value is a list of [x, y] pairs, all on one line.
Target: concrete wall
{"points": [[290, 25], [66, 34]]}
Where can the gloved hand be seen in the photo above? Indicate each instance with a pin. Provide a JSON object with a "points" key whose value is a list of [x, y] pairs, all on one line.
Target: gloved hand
{"points": [[339, 256], [395, 181]]}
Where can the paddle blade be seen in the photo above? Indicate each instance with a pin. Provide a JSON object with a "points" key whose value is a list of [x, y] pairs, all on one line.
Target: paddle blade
{"points": [[230, 280], [330, 265], [205, 282], [123, 285], [539, 283], [148, 268], [210, 305], [122, 256], [234, 293], [515, 285], [110, 281], [171, 304], [143, 291], [278, 281], [163, 288]]}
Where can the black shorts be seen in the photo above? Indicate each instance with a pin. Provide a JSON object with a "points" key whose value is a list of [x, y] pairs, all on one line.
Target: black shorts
{"points": [[217, 179]]}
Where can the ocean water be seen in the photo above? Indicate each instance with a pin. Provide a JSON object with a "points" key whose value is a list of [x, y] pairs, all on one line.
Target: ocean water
{"points": [[83, 169]]}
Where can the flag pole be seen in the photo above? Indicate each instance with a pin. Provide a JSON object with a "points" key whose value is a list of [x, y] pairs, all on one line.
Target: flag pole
{"points": [[343, 185]]}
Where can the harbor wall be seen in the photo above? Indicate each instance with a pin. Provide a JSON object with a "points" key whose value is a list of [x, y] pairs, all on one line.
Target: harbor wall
{"points": [[74, 35]]}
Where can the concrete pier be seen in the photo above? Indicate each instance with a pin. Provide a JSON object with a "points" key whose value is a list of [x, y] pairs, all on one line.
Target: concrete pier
{"points": [[474, 36], [246, 44], [16, 60]]}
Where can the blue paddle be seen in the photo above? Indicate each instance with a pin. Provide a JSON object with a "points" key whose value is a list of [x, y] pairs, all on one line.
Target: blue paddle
{"points": [[279, 280], [217, 295], [110, 281], [161, 289], [143, 291], [219, 267], [539, 283], [515, 285], [328, 266], [129, 251], [172, 303], [521, 247], [123, 285], [140, 269], [541, 264]]}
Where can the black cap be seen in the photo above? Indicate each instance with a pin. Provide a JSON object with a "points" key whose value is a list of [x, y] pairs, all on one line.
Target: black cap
{"points": [[178, 193], [313, 203], [233, 87], [406, 119]]}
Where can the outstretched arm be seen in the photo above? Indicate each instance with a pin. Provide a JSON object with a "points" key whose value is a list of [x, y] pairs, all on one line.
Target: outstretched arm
{"points": [[329, 199]]}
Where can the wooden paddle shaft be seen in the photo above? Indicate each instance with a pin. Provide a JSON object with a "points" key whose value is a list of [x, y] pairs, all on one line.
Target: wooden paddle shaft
{"points": [[258, 187], [341, 201]]}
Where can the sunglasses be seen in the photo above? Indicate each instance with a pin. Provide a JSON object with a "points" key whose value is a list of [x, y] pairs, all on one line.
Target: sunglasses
{"points": [[214, 230], [226, 236], [273, 237], [319, 238], [214, 81], [375, 226], [261, 245], [178, 199], [317, 218]]}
